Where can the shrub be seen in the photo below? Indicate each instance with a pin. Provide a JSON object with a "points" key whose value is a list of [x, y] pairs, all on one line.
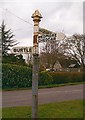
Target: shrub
{"points": [[15, 76], [67, 77], [45, 78]]}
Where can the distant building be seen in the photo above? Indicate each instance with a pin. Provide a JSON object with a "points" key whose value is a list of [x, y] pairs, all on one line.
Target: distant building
{"points": [[57, 66]]}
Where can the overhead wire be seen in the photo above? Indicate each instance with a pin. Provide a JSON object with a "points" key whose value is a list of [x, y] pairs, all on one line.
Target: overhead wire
{"points": [[21, 29], [17, 16], [20, 19]]}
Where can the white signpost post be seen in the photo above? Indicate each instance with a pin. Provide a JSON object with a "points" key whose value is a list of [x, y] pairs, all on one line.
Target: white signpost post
{"points": [[36, 18]]}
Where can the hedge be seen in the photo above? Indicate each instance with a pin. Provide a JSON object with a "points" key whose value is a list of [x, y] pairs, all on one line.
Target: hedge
{"points": [[67, 77], [15, 76], [45, 78]]}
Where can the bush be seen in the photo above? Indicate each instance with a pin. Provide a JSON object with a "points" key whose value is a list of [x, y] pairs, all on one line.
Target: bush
{"points": [[67, 77], [12, 59], [15, 76], [45, 78]]}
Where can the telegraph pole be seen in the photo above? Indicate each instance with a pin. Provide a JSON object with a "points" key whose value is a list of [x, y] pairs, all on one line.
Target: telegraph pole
{"points": [[36, 18]]}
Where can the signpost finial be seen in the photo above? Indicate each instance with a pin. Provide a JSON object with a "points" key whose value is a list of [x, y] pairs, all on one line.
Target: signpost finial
{"points": [[36, 16]]}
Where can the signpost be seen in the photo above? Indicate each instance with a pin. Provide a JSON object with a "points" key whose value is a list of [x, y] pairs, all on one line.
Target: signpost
{"points": [[37, 38], [36, 18]]}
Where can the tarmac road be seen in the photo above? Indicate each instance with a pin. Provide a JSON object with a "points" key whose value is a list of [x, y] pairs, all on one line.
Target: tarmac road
{"points": [[48, 95]]}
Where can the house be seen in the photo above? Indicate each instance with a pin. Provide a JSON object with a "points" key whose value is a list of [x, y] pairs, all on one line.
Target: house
{"points": [[57, 66]]}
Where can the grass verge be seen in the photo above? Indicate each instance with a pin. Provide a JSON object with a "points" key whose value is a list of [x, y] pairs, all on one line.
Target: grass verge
{"points": [[66, 109], [59, 85], [45, 86]]}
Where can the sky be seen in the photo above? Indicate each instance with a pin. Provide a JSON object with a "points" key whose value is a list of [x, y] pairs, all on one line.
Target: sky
{"points": [[58, 16]]}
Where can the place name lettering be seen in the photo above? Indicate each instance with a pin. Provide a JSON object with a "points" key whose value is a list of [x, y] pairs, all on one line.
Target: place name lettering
{"points": [[46, 37], [21, 50]]}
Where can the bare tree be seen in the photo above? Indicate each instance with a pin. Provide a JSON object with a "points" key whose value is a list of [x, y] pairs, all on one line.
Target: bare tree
{"points": [[74, 47], [68, 49], [51, 53]]}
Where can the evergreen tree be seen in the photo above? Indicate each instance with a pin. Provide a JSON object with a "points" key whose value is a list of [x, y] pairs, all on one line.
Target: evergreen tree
{"points": [[7, 39]]}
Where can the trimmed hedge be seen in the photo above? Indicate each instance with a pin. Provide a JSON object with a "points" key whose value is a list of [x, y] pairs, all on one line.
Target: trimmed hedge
{"points": [[15, 76], [67, 77]]}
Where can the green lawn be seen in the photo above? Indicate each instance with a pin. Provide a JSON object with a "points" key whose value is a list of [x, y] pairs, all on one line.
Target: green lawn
{"points": [[66, 109]]}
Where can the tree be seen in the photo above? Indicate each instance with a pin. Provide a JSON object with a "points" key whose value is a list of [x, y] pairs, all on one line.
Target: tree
{"points": [[74, 47], [51, 52], [14, 59], [69, 50], [7, 39]]}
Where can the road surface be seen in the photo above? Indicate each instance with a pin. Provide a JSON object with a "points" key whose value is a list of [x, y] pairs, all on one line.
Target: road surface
{"points": [[48, 95]]}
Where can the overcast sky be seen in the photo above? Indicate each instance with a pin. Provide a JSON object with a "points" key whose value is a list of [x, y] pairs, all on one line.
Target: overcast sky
{"points": [[57, 16]]}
